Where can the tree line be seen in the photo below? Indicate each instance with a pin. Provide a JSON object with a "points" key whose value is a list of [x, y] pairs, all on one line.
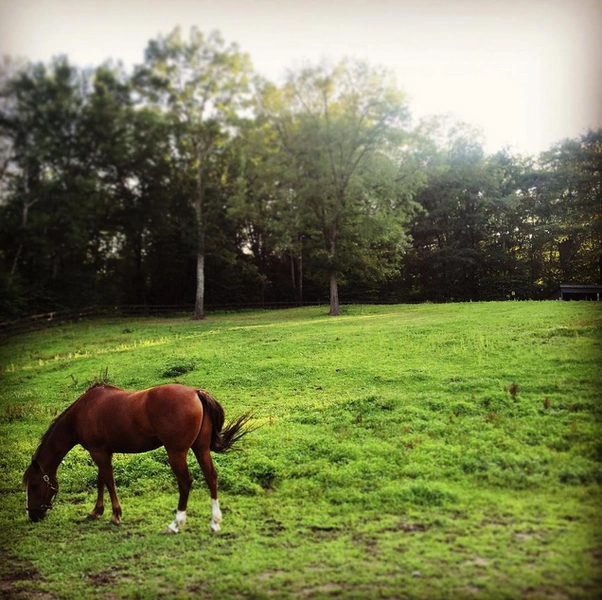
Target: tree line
{"points": [[192, 179]]}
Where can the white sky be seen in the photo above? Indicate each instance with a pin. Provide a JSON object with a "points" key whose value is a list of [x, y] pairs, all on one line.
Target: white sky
{"points": [[526, 72]]}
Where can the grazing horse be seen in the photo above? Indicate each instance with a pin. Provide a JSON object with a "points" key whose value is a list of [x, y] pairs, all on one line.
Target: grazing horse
{"points": [[106, 419]]}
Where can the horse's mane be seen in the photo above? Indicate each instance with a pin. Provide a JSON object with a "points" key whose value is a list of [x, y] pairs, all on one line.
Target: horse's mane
{"points": [[97, 384], [50, 430], [59, 418]]}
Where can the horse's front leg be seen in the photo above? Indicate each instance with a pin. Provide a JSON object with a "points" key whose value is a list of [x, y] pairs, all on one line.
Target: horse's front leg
{"points": [[99, 507], [105, 475], [177, 461]]}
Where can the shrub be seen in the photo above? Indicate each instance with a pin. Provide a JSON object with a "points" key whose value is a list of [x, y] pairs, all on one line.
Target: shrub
{"points": [[177, 368], [264, 472]]}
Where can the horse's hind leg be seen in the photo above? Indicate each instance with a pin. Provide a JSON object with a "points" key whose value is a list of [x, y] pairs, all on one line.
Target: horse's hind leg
{"points": [[201, 451], [177, 461]]}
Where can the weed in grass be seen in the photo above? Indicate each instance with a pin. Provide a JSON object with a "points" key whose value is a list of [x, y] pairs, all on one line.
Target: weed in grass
{"points": [[101, 379], [19, 411]]}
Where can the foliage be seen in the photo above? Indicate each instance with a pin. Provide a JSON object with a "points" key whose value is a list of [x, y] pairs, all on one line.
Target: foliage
{"points": [[405, 451], [198, 85], [340, 130], [193, 178], [503, 226]]}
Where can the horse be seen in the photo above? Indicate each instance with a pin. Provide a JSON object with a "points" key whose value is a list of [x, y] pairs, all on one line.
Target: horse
{"points": [[106, 419]]}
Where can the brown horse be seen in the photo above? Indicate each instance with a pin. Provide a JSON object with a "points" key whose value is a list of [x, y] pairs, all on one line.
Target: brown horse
{"points": [[106, 419]]}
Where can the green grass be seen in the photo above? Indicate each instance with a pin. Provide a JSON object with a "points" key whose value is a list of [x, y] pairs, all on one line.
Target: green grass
{"points": [[433, 451]]}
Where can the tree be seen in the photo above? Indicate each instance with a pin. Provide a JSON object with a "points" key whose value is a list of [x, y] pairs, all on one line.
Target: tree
{"points": [[50, 220], [464, 239], [271, 225], [338, 126], [199, 84], [571, 182], [138, 187]]}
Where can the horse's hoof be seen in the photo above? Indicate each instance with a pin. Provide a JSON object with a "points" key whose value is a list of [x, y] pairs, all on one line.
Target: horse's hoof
{"points": [[92, 517], [116, 521], [169, 531], [214, 527]]}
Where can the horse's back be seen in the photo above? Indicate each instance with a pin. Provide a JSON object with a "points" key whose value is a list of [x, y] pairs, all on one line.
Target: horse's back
{"points": [[122, 421]]}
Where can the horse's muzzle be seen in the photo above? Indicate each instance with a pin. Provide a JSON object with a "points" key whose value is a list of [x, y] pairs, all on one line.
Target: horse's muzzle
{"points": [[36, 514]]}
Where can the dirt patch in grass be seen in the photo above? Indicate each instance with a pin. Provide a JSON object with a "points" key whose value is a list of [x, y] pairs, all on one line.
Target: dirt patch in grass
{"points": [[107, 577], [15, 572], [199, 589], [333, 590], [411, 527], [273, 527], [325, 532], [477, 561], [110, 577], [548, 593], [270, 574]]}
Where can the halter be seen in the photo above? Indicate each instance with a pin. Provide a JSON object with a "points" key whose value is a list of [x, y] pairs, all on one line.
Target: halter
{"points": [[55, 490]]}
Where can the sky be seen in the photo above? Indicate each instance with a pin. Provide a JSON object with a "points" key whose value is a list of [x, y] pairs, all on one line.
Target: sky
{"points": [[526, 73]]}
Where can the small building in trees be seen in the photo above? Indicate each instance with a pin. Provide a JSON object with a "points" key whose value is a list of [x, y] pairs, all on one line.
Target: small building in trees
{"points": [[578, 292]]}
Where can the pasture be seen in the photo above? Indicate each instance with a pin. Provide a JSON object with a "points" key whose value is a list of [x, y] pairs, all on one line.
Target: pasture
{"points": [[432, 451]]}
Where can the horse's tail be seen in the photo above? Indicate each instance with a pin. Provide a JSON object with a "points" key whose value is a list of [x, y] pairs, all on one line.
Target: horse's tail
{"points": [[222, 439]]}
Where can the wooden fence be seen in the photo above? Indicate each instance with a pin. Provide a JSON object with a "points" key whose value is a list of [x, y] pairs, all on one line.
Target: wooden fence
{"points": [[48, 319]]}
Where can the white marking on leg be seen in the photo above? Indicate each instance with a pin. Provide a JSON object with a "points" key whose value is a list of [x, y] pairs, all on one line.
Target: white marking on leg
{"points": [[216, 515], [178, 521]]}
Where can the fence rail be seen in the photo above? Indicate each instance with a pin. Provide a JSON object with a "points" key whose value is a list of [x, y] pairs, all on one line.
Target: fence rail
{"points": [[48, 319], [43, 320]]}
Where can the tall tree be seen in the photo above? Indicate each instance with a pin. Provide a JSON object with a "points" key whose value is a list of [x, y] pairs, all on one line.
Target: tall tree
{"points": [[333, 122], [52, 199], [200, 84], [455, 250], [263, 204], [571, 182], [131, 154]]}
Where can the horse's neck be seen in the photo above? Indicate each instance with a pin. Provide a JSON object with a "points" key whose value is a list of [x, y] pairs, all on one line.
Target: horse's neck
{"points": [[54, 448]]}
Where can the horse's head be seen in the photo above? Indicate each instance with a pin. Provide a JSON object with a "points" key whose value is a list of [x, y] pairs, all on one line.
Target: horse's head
{"points": [[41, 489]]}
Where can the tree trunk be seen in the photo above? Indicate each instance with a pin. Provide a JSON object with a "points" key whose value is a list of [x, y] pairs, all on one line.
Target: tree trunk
{"points": [[24, 221], [335, 309], [301, 275], [293, 278], [199, 306], [16, 260]]}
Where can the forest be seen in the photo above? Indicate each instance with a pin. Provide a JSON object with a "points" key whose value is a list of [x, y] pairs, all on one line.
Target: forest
{"points": [[191, 180]]}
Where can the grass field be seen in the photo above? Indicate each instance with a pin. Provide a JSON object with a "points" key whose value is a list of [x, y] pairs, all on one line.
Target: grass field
{"points": [[433, 451]]}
